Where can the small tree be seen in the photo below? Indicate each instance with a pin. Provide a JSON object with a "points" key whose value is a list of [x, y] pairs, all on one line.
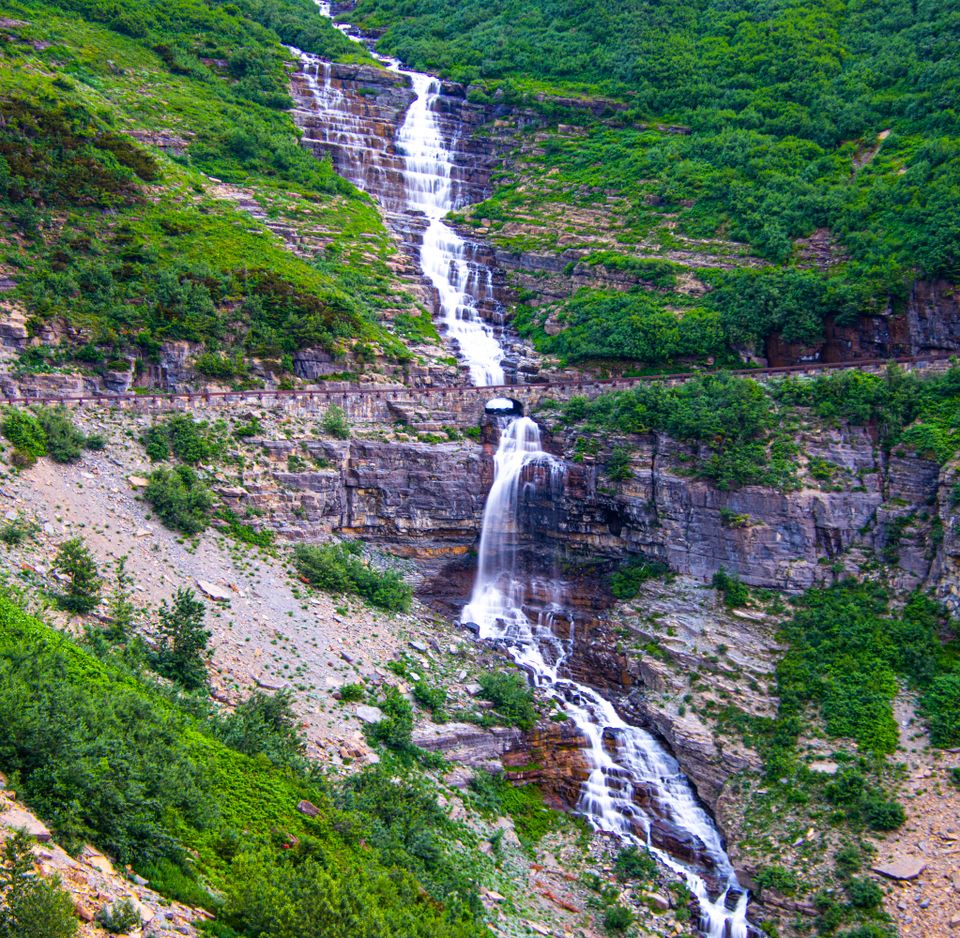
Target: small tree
{"points": [[182, 654], [83, 581], [29, 904], [335, 424], [121, 609]]}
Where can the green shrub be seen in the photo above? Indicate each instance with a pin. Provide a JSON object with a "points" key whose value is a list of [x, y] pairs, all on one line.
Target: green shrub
{"points": [[65, 442], [352, 693], [432, 697], [340, 568], [31, 906], [511, 697], [334, 423], [106, 758], [734, 592], [882, 814], [24, 431], [625, 583], [940, 706], [617, 919], [184, 439], [778, 878], [394, 730], [118, 918], [264, 724], [864, 893], [14, 533], [76, 563], [180, 499], [635, 863]]}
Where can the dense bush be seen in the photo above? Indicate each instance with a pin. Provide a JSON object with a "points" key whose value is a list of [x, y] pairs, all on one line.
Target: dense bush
{"points": [[334, 423], [511, 697], [340, 568], [23, 430], [180, 498], [635, 863], [625, 583], [264, 724], [65, 441], [184, 439]]}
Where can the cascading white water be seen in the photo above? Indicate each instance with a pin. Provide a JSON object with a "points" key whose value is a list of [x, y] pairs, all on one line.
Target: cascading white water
{"points": [[443, 254], [606, 800], [429, 191], [496, 605]]}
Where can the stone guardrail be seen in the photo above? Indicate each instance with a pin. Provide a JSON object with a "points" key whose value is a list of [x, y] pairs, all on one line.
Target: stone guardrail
{"points": [[456, 404]]}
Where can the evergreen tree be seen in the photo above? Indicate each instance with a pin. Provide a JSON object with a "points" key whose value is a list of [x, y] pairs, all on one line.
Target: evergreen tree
{"points": [[182, 654], [121, 609], [83, 581]]}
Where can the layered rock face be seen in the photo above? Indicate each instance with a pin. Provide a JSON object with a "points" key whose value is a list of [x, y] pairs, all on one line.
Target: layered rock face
{"points": [[779, 540], [415, 499]]}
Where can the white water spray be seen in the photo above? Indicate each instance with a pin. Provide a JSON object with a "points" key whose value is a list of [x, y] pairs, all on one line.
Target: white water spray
{"points": [[637, 761]]}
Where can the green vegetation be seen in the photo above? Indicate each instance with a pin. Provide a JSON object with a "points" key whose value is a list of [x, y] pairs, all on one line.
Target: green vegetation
{"points": [[104, 757], [496, 797], [31, 905], [511, 697], [733, 591], [46, 431], [711, 127], [334, 423], [741, 427], [77, 566], [118, 121], [182, 653], [635, 863], [340, 568], [625, 583], [119, 918], [185, 439], [734, 416], [846, 653], [180, 498]]}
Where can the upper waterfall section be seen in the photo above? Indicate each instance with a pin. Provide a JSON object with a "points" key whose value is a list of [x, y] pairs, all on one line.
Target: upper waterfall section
{"points": [[408, 140]]}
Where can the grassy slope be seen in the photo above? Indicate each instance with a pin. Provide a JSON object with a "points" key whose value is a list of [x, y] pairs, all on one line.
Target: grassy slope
{"points": [[107, 757], [155, 256], [784, 103]]}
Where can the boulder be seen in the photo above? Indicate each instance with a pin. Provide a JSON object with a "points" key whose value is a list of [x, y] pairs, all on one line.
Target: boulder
{"points": [[368, 714], [15, 818], [902, 868], [214, 591]]}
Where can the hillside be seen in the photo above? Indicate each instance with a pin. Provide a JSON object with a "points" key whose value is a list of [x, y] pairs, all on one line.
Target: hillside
{"points": [[160, 219], [711, 181]]}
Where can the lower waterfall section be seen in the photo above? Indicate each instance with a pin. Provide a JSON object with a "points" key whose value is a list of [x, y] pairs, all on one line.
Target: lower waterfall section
{"points": [[624, 760]]}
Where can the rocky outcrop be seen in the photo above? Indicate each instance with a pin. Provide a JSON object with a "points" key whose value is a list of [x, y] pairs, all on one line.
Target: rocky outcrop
{"points": [[415, 499], [780, 538]]}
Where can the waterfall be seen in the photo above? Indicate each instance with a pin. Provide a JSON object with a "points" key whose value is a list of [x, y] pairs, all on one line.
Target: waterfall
{"points": [[428, 177], [429, 193], [637, 758], [429, 183]]}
